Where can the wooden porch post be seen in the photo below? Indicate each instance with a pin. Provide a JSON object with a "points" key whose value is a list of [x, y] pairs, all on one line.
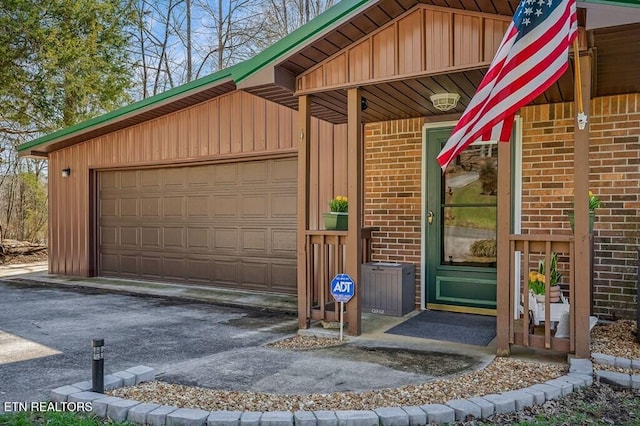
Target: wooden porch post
{"points": [[503, 287], [304, 160], [354, 184], [582, 304]]}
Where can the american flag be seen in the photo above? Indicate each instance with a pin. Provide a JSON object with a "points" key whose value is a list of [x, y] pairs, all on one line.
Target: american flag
{"points": [[533, 54]]}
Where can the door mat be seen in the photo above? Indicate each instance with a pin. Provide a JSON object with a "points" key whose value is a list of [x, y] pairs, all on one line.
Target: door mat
{"points": [[470, 329]]}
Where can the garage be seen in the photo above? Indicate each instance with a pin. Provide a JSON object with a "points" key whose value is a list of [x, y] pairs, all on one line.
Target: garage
{"points": [[229, 225]]}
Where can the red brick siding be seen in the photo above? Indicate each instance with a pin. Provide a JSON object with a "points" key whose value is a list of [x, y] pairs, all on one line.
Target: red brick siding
{"points": [[393, 162], [614, 153], [393, 156]]}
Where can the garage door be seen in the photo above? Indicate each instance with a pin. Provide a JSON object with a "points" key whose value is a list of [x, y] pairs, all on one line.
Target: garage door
{"points": [[231, 225]]}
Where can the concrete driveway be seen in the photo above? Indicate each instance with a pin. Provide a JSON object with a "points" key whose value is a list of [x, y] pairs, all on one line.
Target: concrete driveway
{"points": [[46, 332]]}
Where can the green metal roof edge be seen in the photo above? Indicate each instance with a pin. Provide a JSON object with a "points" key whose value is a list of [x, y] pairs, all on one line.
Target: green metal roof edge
{"points": [[323, 21], [237, 72], [620, 3], [144, 103]]}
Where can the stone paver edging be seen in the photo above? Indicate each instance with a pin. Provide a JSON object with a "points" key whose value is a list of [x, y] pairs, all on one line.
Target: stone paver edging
{"points": [[631, 381], [119, 409]]}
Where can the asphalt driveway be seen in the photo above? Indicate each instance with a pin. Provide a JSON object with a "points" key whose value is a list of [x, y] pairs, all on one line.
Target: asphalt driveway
{"points": [[46, 332], [155, 332]]}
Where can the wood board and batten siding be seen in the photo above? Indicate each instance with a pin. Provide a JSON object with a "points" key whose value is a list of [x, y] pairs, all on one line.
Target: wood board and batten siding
{"points": [[427, 40], [232, 129]]}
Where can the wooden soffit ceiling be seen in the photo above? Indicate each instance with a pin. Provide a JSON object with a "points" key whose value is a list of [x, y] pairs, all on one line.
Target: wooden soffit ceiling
{"points": [[616, 52], [358, 27]]}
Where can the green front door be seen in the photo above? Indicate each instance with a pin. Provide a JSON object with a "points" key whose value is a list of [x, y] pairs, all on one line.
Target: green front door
{"points": [[460, 227]]}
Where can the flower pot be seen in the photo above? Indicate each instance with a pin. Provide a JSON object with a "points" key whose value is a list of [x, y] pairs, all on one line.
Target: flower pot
{"points": [[592, 219], [540, 298], [336, 221], [554, 294]]}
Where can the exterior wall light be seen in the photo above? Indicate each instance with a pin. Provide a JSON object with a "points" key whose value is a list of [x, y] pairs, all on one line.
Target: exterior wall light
{"points": [[364, 104], [66, 172], [445, 101]]}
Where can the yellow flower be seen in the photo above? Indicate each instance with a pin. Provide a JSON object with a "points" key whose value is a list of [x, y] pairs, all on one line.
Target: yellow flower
{"points": [[536, 276], [339, 204]]}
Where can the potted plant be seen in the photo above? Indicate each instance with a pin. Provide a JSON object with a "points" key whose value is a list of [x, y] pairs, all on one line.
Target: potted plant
{"points": [[536, 285], [338, 218], [537, 281], [594, 203]]}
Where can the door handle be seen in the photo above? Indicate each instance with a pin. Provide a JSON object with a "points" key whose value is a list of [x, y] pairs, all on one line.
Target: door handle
{"points": [[430, 216]]}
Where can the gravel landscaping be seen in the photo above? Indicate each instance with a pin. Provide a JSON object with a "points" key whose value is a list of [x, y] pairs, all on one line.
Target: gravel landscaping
{"points": [[616, 339], [503, 374]]}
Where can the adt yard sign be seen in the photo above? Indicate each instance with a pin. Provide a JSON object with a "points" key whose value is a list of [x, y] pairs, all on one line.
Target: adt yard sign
{"points": [[342, 288]]}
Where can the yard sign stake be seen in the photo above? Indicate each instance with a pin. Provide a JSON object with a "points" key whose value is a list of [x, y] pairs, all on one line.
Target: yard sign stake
{"points": [[342, 289]]}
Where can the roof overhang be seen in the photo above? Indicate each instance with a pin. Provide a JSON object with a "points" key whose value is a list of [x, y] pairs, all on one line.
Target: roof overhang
{"points": [[602, 14]]}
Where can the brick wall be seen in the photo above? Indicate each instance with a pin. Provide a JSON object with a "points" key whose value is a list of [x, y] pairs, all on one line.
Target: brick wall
{"points": [[392, 168], [393, 155], [614, 153]]}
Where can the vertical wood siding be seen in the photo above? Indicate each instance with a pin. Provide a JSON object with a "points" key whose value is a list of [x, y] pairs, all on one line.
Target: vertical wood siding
{"points": [[410, 42], [467, 40], [360, 62], [384, 53], [336, 70], [234, 127], [438, 32], [425, 40], [493, 34]]}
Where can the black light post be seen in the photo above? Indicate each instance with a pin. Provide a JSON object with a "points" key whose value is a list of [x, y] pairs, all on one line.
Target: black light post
{"points": [[97, 366]]}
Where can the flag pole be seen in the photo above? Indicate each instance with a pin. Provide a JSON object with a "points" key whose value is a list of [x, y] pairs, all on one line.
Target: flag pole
{"points": [[581, 117]]}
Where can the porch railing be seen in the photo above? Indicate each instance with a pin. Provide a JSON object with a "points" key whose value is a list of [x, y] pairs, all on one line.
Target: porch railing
{"points": [[325, 258], [526, 251]]}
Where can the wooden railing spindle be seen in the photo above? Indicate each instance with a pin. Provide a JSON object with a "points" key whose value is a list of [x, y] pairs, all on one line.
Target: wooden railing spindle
{"points": [[538, 246], [326, 251]]}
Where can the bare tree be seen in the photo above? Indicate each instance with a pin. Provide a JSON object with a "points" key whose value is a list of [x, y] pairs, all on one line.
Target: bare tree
{"points": [[283, 16], [140, 39], [23, 200], [188, 41], [155, 46], [177, 41], [234, 26]]}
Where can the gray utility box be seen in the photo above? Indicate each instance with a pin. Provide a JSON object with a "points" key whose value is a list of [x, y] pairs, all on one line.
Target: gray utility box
{"points": [[388, 288]]}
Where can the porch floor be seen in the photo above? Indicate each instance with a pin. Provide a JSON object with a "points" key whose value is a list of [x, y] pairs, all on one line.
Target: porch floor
{"points": [[374, 327]]}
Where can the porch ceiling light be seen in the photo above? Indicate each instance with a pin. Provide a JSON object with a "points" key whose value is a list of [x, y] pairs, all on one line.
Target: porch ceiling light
{"points": [[445, 101]]}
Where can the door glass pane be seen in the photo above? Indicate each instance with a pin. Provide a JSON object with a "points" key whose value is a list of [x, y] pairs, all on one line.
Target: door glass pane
{"points": [[468, 208]]}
